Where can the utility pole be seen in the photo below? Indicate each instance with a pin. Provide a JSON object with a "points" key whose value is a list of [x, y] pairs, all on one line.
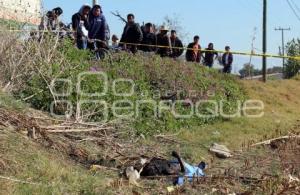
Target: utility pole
{"points": [[95, 2], [264, 59], [283, 46]]}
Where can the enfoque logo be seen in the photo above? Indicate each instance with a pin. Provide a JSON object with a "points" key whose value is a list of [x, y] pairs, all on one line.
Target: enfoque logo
{"points": [[133, 109]]}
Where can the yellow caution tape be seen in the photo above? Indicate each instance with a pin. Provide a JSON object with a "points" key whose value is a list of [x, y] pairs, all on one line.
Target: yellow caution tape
{"points": [[183, 48], [219, 51]]}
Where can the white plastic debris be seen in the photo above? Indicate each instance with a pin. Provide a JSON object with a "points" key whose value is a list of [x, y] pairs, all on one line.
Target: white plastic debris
{"points": [[220, 151]]}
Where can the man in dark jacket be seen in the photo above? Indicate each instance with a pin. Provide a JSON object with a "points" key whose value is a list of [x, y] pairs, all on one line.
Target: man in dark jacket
{"points": [[163, 43], [97, 24], [184, 170], [80, 25], [177, 46], [149, 39], [193, 53], [97, 29], [227, 60], [132, 35], [210, 55]]}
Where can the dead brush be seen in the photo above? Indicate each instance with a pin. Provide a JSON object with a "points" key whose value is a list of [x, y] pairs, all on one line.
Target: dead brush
{"points": [[289, 153], [21, 59]]}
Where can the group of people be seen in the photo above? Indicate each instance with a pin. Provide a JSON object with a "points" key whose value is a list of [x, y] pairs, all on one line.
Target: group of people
{"points": [[91, 31]]}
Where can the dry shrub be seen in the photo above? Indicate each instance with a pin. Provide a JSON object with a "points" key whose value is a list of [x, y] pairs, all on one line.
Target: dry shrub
{"points": [[22, 58]]}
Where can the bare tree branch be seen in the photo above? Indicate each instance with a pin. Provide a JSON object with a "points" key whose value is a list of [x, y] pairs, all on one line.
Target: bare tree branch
{"points": [[117, 14]]}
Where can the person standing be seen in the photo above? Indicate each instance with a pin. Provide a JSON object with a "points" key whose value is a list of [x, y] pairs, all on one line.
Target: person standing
{"points": [[115, 43], [97, 29], [177, 46], [50, 21], [210, 55], [80, 25], [193, 53], [227, 60], [149, 39], [132, 35], [163, 43]]}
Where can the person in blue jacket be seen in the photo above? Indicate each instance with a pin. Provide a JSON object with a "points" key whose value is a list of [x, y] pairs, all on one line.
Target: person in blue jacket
{"points": [[189, 171], [97, 29]]}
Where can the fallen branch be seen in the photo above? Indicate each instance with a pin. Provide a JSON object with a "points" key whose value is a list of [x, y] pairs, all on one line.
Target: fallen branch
{"points": [[91, 139], [56, 127], [18, 180], [77, 125], [268, 142], [86, 124], [32, 96], [101, 168], [239, 178], [3, 124], [169, 138], [78, 130]]}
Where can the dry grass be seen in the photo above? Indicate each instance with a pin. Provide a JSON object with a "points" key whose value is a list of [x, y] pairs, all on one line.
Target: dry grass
{"points": [[40, 170], [281, 117], [253, 171]]}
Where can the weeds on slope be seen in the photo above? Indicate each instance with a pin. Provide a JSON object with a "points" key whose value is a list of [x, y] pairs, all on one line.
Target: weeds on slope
{"points": [[47, 75]]}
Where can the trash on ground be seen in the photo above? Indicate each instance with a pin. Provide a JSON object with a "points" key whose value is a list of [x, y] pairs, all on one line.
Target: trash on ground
{"points": [[220, 151]]}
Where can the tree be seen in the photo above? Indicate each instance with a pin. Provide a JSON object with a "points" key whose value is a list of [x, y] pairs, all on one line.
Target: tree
{"points": [[248, 71], [117, 14], [274, 70], [292, 66], [174, 23]]}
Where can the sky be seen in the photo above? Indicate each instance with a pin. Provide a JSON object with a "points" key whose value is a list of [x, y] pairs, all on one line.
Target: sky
{"points": [[223, 22]]}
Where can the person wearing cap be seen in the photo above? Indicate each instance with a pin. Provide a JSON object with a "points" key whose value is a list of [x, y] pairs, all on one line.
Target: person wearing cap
{"points": [[132, 34], [193, 53], [149, 39], [210, 55], [176, 44], [163, 42], [80, 25], [227, 60], [97, 29], [50, 21]]}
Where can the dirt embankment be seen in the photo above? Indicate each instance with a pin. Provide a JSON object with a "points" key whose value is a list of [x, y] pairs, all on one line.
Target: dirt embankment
{"points": [[266, 168]]}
